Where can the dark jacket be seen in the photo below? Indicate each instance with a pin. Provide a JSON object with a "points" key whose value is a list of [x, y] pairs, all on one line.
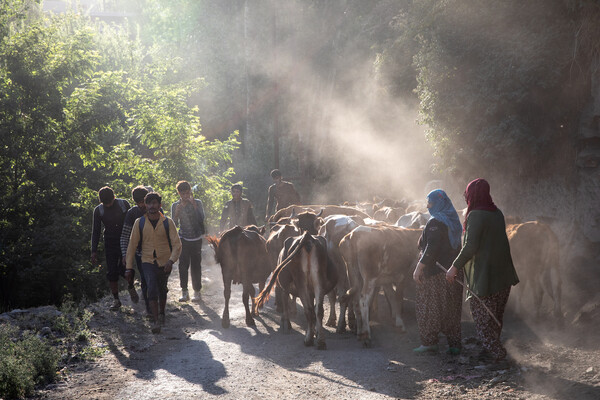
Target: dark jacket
{"points": [[237, 213], [435, 245], [112, 219], [485, 255]]}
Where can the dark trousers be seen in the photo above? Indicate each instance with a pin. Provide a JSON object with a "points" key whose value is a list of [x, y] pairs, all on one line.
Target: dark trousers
{"points": [[115, 267], [156, 281], [191, 259], [138, 261]]}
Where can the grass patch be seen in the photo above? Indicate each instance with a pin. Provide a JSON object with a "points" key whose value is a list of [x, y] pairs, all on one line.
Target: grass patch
{"points": [[25, 361], [28, 358]]}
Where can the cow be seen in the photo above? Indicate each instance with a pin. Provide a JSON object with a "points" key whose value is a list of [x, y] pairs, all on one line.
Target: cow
{"points": [[335, 227], [243, 257], [304, 271], [388, 214], [535, 252], [279, 233], [415, 220], [325, 211], [378, 256]]}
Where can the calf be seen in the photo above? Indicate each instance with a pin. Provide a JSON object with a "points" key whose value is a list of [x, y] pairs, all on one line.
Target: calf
{"points": [[535, 252], [279, 233], [304, 271], [333, 230], [378, 256], [243, 257]]}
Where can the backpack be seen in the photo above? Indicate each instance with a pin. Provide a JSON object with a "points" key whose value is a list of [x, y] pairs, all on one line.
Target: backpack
{"points": [[121, 204], [141, 225]]}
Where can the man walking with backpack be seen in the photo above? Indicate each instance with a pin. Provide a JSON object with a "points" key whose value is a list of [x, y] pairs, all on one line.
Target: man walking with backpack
{"points": [[110, 213], [188, 213], [160, 247], [137, 194]]}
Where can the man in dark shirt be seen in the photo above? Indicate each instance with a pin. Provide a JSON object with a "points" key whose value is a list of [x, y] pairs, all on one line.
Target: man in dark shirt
{"points": [[282, 193], [110, 213], [237, 211], [188, 215], [137, 194]]}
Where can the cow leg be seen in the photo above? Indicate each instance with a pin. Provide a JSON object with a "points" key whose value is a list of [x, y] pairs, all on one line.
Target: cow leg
{"points": [[319, 322], [248, 291], [278, 299], [285, 325], [309, 313], [538, 294], [292, 302], [366, 298], [555, 284], [227, 295], [341, 323], [331, 321], [396, 306], [352, 317]]}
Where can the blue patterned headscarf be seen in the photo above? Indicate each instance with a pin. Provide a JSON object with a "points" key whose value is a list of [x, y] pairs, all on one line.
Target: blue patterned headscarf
{"points": [[443, 210]]}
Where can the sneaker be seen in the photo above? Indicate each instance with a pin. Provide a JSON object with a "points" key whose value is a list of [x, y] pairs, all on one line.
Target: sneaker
{"points": [[156, 328], [134, 295], [185, 296], [197, 297], [426, 349], [161, 319], [115, 305], [453, 351]]}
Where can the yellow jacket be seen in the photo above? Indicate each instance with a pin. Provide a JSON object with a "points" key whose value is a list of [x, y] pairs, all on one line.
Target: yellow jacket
{"points": [[155, 239]]}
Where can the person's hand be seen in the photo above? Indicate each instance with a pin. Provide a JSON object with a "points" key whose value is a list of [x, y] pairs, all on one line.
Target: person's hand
{"points": [[418, 274], [129, 276], [451, 274], [94, 258], [124, 261], [168, 267]]}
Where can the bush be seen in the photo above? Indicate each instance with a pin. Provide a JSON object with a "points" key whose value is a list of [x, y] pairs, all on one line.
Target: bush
{"points": [[24, 362]]}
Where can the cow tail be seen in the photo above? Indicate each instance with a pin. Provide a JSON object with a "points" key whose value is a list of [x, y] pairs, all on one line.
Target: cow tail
{"points": [[213, 241], [347, 249], [263, 296]]}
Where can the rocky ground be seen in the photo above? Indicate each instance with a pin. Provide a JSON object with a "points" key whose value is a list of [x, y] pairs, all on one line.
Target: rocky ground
{"points": [[194, 357]]}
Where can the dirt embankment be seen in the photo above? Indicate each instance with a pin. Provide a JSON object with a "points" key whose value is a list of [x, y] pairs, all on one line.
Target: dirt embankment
{"points": [[195, 358]]}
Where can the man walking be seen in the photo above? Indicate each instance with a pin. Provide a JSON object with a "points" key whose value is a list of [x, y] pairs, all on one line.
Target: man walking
{"points": [[282, 193], [110, 213], [137, 194], [160, 247], [188, 214], [237, 211]]}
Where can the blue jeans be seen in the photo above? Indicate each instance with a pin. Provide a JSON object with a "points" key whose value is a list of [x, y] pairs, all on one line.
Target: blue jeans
{"points": [[156, 281]]}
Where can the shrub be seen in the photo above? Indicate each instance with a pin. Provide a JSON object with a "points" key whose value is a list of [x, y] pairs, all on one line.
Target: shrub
{"points": [[24, 362]]}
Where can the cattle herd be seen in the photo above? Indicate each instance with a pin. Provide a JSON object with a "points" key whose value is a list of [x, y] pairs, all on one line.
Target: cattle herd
{"points": [[349, 253]]}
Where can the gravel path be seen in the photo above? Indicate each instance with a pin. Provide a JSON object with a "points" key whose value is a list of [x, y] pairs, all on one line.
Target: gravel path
{"points": [[195, 358]]}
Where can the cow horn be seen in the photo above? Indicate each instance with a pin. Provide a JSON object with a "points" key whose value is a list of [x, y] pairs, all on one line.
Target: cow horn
{"points": [[320, 212], [293, 213]]}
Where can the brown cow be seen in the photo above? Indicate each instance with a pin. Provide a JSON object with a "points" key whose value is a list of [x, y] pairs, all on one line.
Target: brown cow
{"points": [[279, 233], [304, 271], [243, 257], [535, 252], [325, 211], [378, 256], [388, 214], [333, 230]]}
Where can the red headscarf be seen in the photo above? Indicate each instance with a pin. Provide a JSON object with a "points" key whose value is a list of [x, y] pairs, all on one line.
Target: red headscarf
{"points": [[478, 197]]}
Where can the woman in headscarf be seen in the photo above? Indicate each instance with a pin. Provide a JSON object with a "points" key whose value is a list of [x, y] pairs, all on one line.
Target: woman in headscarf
{"points": [[438, 303], [488, 267]]}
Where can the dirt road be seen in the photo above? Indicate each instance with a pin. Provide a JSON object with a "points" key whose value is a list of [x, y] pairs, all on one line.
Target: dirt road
{"points": [[194, 357]]}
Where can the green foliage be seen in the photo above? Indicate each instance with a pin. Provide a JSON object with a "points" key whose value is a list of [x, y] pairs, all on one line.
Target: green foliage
{"points": [[83, 105], [24, 362]]}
